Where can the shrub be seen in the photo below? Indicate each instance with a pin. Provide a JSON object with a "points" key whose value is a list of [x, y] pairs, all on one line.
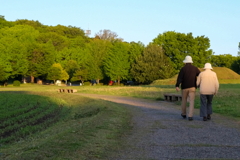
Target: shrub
{"points": [[16, 83], [115, 84], [87, 83]]}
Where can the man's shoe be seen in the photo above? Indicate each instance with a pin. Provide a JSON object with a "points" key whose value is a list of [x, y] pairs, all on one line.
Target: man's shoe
{"points": [[208, 116], [204, 118], [190, 118], [184, 116]]}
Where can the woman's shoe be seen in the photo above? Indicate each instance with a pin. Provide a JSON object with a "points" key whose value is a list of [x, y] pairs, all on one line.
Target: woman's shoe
{"points": [[184, 116], [190, 118], [204, 118], [208, 116]]}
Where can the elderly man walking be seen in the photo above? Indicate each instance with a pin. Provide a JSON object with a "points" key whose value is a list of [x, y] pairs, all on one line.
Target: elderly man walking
{"points": [[187, 77], [209, 85]]}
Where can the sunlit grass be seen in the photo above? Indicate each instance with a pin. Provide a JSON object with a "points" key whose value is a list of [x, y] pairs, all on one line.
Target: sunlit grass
{"points": [[149, 92]]}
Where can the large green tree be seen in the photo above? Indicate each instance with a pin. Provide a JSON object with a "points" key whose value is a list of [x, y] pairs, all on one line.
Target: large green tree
{"points": [[56, 72], [236, 65], [71, 67], [80, 75], [3, 75], [5, 23], [178, 45], [98, 50], [225, 60], [58, 41], [15, 44], [116, 63], [135, 50], [67, 31], [35, 24], [40, 59], [151, 65], [76, 51]]}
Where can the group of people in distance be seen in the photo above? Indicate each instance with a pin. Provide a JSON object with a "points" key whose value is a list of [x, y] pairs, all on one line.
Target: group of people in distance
{"points": [[190, 79]]}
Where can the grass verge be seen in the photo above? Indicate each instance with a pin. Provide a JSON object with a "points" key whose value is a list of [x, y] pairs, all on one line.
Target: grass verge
{"points": [[226, 102]]}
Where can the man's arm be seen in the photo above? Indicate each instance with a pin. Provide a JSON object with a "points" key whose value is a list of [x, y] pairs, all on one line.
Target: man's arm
{"points": [[179, 78], [177, 89]]}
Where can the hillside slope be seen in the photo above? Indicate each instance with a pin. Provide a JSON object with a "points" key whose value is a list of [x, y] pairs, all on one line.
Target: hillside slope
{"points": [[225, 75]]}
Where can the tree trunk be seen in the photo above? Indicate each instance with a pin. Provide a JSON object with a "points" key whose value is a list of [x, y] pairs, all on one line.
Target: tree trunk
{"points": [[118, 81], [32, 79]]}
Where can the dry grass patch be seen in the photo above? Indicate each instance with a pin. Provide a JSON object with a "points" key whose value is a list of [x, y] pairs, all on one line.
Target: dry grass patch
{"points": [[150, 92]]}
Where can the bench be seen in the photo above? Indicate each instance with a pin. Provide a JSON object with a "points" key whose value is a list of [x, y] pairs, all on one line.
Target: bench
{"points": [[172, 97], [67, 90]]}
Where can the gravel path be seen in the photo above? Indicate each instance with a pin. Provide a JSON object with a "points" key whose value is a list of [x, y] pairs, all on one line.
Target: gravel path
{"points": [[160, 133]]}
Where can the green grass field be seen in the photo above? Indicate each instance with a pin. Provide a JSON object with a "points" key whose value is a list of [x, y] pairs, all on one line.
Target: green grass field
{"points": [[37, 122], [227, 101]]}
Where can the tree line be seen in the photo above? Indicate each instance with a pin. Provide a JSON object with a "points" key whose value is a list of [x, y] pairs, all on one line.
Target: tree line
{"points": [[31, 49]]}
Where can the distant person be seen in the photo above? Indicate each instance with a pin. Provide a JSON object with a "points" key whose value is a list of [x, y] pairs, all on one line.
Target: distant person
{"points": [[93, 82], [209, 85], [110, 83], [187, 77]]}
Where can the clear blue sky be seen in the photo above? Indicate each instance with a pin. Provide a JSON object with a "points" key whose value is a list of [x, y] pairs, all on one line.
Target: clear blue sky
{"points": [[138, 20]]}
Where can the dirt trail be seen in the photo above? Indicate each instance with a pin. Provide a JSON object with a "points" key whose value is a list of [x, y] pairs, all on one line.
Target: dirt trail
{"points": [[160, 133]]}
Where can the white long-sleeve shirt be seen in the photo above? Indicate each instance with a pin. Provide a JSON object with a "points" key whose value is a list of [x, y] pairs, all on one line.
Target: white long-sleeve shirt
{"points": [[208, 82]]}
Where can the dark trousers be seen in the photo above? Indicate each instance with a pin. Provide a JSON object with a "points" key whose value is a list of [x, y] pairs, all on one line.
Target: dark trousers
{"points": [[206, 105]]}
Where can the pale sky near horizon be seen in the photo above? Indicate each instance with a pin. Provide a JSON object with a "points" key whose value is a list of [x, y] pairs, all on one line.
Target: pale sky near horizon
{"points": [[138, 20]]}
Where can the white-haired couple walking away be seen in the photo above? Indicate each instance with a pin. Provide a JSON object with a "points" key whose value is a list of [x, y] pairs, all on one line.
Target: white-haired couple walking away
{"points": [[190, 78]]}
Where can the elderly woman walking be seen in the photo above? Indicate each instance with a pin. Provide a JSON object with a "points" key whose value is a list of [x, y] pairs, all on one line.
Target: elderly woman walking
{"points": [[208, 83]]}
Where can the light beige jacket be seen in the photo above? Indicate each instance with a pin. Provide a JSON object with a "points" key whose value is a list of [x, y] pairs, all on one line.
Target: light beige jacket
{"points": [[208, 82]]}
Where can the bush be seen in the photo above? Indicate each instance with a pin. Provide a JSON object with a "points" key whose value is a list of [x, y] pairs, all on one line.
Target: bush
{"points": [[87, 83], [16, 83]]}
